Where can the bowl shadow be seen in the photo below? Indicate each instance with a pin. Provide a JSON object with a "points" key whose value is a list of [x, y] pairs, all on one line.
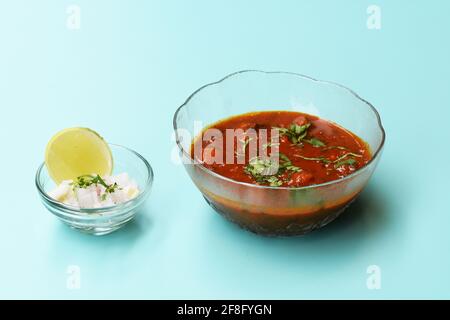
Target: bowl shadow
{"points": [[362, 220], [123, 238]]}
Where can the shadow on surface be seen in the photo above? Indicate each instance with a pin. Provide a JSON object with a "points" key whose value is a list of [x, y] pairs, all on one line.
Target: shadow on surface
{"points": [[361, 219], [343, 238], [123, 238]]}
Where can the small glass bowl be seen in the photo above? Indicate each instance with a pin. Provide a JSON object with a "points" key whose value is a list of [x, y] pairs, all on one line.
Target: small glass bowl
{"points": [[278, 211], [101, 221]]}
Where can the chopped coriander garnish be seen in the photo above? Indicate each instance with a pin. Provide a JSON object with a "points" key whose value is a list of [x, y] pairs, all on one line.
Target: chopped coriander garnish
{"points": [[354, 154], [273, 181], [338, 162], [100, 181], [349, 162], [349, 154], [260, 167], [244, 143], [88, 180], [315, 142], [285, 163], [270, 144], [335, 147], [112, 188], [268, 171], [295, 132], [321, 159], [341, 161]]}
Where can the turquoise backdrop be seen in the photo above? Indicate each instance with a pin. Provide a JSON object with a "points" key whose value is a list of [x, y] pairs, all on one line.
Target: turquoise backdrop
{"points": [[124, 72]]}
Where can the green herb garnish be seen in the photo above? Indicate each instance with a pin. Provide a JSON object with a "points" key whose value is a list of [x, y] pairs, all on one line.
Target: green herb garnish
{"points": [[338, 162], [295, 133], [349, 162], [335, 147], [244, 143], [88, 180], [273, 181], [315, 142], [112, 188], [286, 164], [270, 144], [261, 167], [342, 160], [347, 155], [268, 171], [321, 159]]}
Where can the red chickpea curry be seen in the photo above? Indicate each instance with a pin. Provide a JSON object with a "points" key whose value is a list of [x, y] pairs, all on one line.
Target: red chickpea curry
{"points": [[311, 150]]}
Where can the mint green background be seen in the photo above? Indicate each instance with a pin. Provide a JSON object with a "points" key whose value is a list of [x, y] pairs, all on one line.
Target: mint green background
{"points": [[134, 62]]}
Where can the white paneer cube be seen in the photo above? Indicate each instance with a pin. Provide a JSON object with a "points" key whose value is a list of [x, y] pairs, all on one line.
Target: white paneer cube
{"points": [[61, 191], [131, 191], [107, 201], [121, 179], [71, 199], [96, 195], [119, 196], [88, 198]]}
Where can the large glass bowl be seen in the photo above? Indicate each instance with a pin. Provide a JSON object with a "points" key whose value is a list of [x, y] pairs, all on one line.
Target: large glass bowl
{"points": [[101, 221], [274, 210]]}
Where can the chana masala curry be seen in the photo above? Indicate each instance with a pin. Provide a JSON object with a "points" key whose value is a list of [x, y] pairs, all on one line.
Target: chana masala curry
{"points": [[310, 150]]}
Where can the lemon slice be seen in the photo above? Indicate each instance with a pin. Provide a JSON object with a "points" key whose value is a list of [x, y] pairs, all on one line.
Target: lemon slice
{"points": [[77, 151]]}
